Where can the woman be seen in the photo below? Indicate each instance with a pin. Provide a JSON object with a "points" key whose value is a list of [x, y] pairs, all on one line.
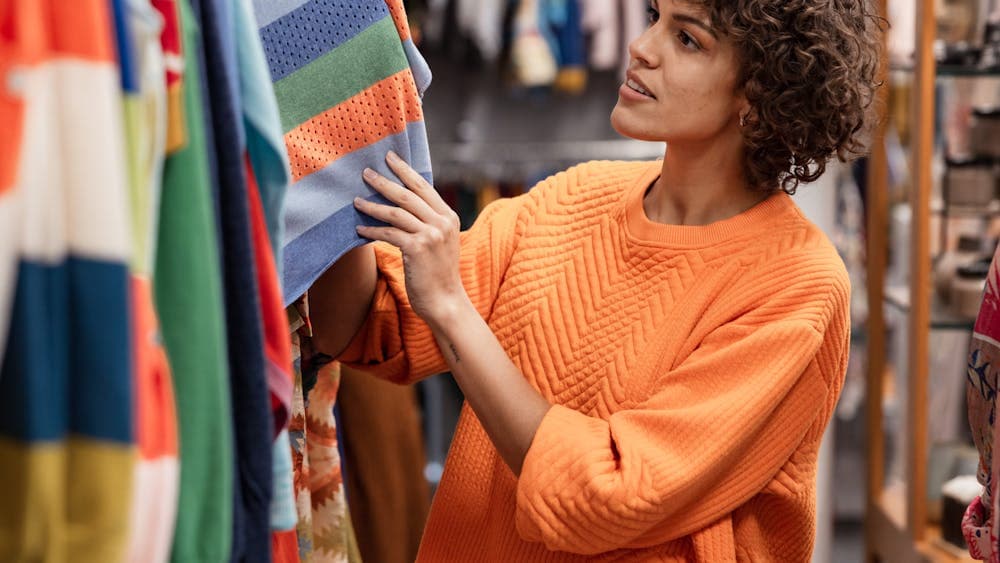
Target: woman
{"points": [[650, 351]]}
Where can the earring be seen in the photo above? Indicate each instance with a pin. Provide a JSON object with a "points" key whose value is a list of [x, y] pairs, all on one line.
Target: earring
{"points": [[743, 120]]}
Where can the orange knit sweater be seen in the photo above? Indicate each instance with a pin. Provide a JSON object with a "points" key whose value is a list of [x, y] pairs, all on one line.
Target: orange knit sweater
{"points": [[693, 371]]}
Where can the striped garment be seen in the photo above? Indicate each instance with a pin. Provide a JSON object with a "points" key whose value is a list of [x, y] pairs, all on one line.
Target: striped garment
{"points": [[348, 81], [66, 440], [12, 110], [157, 471]]}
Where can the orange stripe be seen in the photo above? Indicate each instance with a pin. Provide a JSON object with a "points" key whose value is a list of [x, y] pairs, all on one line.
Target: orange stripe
{"points": [[81, 29], [382, 110], [399, 17], [43, 30], [23, 26]]}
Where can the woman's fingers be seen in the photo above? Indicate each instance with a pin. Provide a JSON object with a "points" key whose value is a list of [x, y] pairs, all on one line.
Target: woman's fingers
{"points": [[399, 195], [395, 216], [391, 235], [417, 183]]}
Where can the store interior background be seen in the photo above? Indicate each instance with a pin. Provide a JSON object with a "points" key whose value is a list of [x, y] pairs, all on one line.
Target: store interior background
{"points": [[494, 134]]}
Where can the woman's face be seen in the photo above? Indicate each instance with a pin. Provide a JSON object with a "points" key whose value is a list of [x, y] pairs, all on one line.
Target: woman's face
{"points": [[681, 82]]}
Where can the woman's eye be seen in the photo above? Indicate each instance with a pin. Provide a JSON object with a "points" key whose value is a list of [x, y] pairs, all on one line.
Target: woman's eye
{"points": [[652, 15], [688, 41]]}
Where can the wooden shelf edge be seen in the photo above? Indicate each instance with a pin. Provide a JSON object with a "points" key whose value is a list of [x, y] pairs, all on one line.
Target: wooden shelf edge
{"points": [[890, 541], [934, 549], [888, 538]]}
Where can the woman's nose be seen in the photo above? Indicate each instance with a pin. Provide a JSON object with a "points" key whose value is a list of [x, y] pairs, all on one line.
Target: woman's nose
{"points": [[641, 48]]}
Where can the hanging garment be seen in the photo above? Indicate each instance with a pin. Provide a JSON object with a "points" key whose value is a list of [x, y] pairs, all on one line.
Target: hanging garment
{"points": [[980, 525], [601, 19], [249, 393], [14, 50], [188, 289], [154, 501], [324, 524], [277, 351], [635, 19], [348, 81], [173, 62], [269, 176], [572, 77], [66, 436], [482, 20], [265, 143], [284, 548], [531, 55]]}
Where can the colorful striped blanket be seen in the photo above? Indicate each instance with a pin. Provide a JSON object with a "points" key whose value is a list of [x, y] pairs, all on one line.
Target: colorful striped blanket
{"points": [[67, 447], [348, 81]]}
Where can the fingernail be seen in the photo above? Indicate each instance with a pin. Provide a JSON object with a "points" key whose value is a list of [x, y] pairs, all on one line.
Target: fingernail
{"points": [[369, 173], [392, 157], [357, 201]]}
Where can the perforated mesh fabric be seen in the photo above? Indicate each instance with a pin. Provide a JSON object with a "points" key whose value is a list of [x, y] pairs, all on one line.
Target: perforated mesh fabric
{"points": [[347, 78], [382, 110], [399, 18], [308, 33]]}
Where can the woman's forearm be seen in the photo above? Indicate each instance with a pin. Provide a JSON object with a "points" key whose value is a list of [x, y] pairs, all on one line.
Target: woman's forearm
{"points": [[341, 298], [508, 407], [426, 231]]}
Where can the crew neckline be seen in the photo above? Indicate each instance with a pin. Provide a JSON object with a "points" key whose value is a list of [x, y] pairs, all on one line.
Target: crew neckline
{"points": [[644, 230]]}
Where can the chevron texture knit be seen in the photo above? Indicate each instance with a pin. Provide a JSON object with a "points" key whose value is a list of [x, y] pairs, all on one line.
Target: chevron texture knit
{"points": [[692, 369]]}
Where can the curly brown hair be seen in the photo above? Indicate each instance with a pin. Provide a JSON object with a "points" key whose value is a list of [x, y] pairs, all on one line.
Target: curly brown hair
{"points": [[809, 72]]}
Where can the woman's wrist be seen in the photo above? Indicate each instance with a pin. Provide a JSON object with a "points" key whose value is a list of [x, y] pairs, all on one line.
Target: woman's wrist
{"points": [[447, 316]]}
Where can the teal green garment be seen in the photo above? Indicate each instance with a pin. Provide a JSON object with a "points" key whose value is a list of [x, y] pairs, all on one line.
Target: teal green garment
{"points": [[265, 139], [188, 289]]}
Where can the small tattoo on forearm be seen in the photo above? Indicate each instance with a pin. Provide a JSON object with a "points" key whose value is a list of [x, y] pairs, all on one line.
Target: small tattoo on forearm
{"points": [[454, 352]]}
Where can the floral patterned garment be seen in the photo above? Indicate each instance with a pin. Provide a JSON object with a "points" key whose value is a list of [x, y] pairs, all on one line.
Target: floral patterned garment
{"points": [[324, 526], [980, 523]]}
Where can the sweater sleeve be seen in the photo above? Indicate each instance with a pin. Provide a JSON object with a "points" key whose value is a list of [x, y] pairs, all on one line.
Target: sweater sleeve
{"points": [[719, 428], [397, 345]]}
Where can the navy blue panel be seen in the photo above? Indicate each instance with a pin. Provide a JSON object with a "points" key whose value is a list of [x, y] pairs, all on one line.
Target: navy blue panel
{"points": [[251, 404], [314, 29], [34, 376], [100, 350]]}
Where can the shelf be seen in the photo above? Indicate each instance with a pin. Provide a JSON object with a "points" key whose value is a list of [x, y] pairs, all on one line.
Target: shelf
{"points": [[938, 207], [957, 71], [892, 542], [934, 548], [942, 318]]}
